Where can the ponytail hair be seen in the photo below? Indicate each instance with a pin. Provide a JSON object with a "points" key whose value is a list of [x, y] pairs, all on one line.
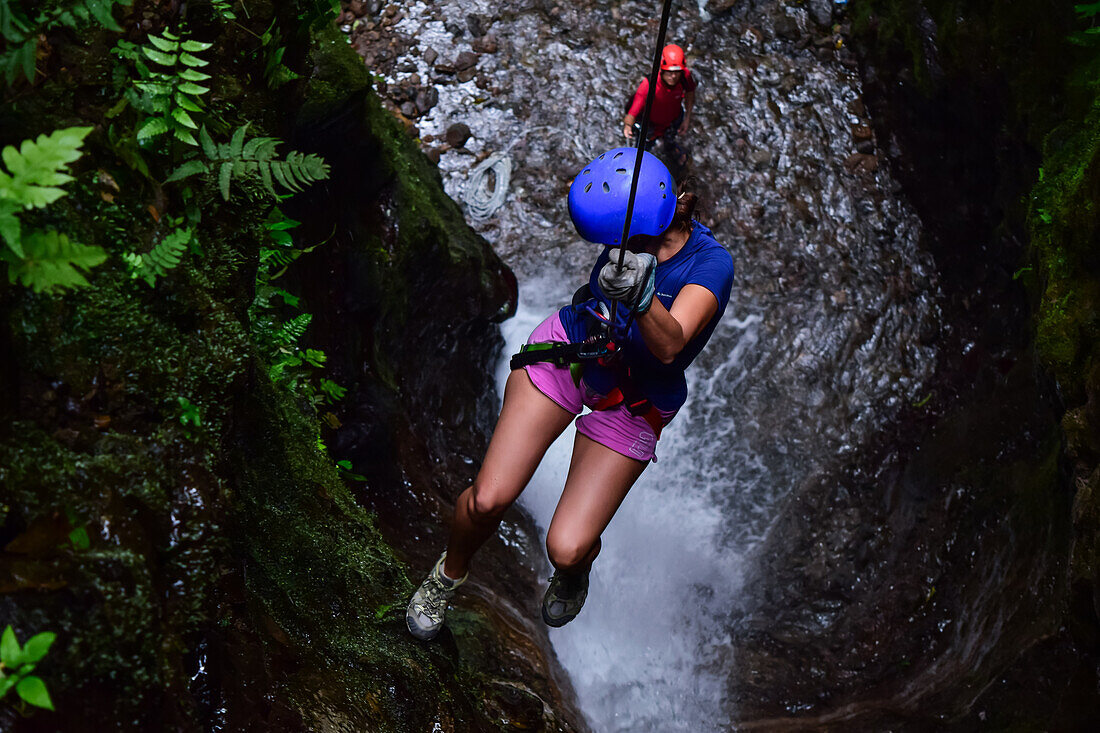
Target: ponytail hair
{"points": [[685, 212]]}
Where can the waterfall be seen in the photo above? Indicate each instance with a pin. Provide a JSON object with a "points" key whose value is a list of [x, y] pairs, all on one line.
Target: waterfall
{"points": [[642, 653], [821, 343]]}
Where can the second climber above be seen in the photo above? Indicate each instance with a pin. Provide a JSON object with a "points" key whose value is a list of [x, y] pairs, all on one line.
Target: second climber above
{"points": [[672, 104]]}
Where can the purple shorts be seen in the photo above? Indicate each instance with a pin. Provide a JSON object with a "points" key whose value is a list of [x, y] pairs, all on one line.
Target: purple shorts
{"points": [[615, 428]]}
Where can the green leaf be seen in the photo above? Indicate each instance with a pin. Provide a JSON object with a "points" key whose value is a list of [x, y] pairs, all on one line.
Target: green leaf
{"points": [[288, 298], [196, 46], [193, 61], [51, 261], [188, 169], [33, 690], [194, 89], [101, 11], [36, 167], [79, 538], [224, 175], [208, 147], [10, 228], [26, 54], [283, 224], [236, 144], [37, 646], [6, 683], [164, 44], [266, 150], [10, 653], [265, 177], [277, 168], [157, 57], [193, 75], [153, 126], [180, 115], [184, 136], [186, 102]]}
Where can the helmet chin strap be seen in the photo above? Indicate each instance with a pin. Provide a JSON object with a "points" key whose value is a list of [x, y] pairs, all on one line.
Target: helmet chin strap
{"points": [[653, 78]]}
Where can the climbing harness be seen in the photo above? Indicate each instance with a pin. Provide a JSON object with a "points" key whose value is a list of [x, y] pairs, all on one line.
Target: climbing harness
{"points": [[600, 345]]}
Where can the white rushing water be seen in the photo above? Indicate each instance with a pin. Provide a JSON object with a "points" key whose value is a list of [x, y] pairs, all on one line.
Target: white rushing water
{"points": [[661, 588]]}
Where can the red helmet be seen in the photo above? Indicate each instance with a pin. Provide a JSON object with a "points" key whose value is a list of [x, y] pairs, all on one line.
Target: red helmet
{"points": [[672, 58]]}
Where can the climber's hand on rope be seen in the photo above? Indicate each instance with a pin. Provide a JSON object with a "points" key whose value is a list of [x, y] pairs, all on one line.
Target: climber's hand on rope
{"points": [[633, 284]]}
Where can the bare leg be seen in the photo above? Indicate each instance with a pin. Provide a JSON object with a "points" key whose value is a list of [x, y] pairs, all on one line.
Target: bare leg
{"points": [[529, 422], [599, 479]]}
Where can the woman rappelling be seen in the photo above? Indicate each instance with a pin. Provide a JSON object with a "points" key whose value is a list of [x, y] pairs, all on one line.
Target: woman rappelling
{"points": [[621, 350]]}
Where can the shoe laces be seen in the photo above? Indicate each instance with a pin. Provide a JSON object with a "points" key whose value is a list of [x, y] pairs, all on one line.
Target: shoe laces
{"points": [[567, 587], [436, 595]]}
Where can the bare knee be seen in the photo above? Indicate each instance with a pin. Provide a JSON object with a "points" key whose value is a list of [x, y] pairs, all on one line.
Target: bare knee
{"points": [[484, 504], [568, 552]]}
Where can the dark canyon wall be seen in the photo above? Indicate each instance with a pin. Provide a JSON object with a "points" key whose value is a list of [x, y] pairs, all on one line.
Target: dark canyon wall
{"points": [[228, 577], [949, 580]]}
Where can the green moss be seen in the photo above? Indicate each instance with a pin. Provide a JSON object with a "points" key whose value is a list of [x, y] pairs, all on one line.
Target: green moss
{"points": [[1064, 223]]}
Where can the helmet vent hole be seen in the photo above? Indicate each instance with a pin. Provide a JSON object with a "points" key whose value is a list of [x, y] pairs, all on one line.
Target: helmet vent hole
{"points": [[606, 188], [588, 187], [662, 185], [586, 172], [664, 195], [601, 156], [621, 171], [617, 155]]}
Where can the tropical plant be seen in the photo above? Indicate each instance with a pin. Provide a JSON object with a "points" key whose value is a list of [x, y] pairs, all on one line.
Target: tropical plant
{"points": [[224, 9], [276, 73], [42, 260], [170, 91], [163, 257], [35, 170], [21, 29], [17, 662], [50, 261], [254, 159]]}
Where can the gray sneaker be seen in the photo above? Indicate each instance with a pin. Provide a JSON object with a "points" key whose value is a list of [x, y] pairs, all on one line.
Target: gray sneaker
{"points": [[428, 606], [564, 598]]}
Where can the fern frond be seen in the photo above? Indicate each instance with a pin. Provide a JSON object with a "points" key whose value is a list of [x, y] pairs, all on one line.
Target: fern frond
{"points": [[19, 57], [35, 169], [186, 170], [50, 261], [256, 159], [293, 330], [172, 93], [162, 258], [224, 8], [10, 226]]}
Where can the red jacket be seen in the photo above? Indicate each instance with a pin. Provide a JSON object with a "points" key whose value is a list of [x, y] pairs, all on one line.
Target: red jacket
{"points": [[667, 102]]}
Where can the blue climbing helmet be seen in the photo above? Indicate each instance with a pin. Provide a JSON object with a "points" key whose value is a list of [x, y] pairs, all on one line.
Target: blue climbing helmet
{"points": [[599, 193]]}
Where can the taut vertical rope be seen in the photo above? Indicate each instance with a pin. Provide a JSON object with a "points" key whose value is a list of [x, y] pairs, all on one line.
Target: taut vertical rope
{"points": [[653, 74]]}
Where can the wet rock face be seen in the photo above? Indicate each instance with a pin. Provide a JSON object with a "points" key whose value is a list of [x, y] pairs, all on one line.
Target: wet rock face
{"points": [[227, 580]]}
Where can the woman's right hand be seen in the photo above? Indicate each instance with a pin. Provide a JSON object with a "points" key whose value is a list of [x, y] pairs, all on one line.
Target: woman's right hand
{"points": [[633, 285], [628, 131]]}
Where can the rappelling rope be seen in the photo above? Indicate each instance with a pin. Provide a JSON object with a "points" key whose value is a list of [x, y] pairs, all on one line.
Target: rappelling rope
{"points": [[653, 74], [480, 201]]}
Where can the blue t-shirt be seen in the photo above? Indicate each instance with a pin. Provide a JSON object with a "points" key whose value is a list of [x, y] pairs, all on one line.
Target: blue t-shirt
{"points": [[701, 261]]}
